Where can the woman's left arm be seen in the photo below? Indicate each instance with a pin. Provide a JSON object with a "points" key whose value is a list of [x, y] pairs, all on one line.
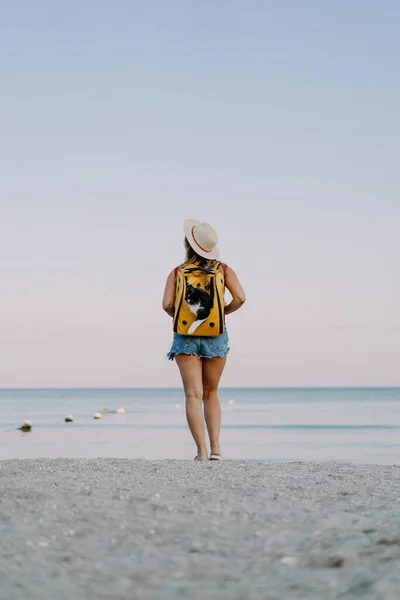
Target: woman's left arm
{"points": [[168, 303]]}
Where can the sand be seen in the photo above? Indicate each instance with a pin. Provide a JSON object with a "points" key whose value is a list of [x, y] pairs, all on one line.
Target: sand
{"points": [[126, 529]]}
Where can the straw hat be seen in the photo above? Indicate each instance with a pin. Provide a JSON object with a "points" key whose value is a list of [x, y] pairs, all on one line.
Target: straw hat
{"points": [[202, 238]]}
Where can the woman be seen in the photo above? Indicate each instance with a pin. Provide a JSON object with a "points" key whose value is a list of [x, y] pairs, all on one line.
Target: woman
{"points": [[201, 359]]}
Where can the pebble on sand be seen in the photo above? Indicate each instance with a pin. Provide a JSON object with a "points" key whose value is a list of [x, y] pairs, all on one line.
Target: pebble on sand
{"points": [[26, 425], [97, 415], [69, 419]]}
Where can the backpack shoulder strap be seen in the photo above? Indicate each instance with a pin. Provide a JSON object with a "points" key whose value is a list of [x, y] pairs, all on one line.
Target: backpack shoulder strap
{"points": [[178, 268]]}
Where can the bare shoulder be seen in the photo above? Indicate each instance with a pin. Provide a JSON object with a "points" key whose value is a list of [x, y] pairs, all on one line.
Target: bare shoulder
{"points": [[234, 286], [230, 274], [223, 268], [228, 271]]}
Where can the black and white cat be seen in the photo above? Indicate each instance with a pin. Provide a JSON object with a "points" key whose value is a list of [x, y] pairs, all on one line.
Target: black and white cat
{"points": [[200, 304]]}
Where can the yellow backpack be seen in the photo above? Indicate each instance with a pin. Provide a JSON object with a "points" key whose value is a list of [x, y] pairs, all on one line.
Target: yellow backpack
{"points": [[199, 301]]}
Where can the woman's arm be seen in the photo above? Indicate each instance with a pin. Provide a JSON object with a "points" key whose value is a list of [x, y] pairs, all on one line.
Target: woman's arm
{"points": [[169, 294], [238, 296]]}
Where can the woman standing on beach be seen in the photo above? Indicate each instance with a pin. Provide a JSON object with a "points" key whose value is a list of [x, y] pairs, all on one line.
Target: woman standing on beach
{"points": [[194, 298]]}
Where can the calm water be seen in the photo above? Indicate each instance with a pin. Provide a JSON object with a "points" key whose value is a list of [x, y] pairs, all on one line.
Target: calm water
{"points": [[270, 424]]}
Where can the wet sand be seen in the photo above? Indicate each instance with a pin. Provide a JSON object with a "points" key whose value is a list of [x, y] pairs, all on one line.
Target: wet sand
{"points": [[135, 529]]}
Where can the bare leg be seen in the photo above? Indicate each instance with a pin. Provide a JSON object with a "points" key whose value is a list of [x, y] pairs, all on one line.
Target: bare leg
{"points": [[191, 373], [212, 371]]}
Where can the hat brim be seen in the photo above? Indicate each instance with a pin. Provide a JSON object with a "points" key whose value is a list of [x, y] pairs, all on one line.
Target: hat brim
{"points": [[187, 228]]}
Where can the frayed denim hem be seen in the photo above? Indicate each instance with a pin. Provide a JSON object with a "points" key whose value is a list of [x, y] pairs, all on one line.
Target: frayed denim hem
{"points": [[171, 355]]}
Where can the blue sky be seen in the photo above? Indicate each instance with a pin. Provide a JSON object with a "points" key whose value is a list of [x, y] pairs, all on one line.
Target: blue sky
{"points": [[275, 121]]}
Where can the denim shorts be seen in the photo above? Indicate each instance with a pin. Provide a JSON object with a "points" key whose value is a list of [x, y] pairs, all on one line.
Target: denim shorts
{"points": [[204, 347]]}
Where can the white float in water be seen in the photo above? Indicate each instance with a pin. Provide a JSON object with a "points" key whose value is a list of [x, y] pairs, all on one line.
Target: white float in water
{"points": [[97, 415], [177, 406], [231, 402], [26, 425], [121, 411], [69, 419]]}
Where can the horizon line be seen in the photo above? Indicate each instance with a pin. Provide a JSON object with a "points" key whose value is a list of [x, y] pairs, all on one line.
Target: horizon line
{"points": [[244, 387]]}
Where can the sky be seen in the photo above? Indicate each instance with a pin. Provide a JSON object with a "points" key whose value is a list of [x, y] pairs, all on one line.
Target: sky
{"points": [[275, 121]]}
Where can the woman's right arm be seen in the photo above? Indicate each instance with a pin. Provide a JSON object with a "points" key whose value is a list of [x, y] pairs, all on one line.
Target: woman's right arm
{"points": [[237, 292], [168, 303]]}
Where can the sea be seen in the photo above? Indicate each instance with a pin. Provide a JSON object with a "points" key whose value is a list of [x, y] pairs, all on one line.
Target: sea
{"points": [[330, 424]]}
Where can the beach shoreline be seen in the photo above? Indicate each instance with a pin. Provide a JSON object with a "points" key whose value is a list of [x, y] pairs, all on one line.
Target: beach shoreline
{"points": [[127, 529]]}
